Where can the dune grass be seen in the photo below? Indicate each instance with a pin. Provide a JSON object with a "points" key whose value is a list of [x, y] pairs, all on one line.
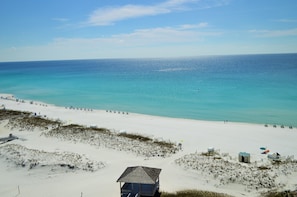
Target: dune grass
{"points": [[142, 138], [135, 137], [286, 193], [200, 193], [193, 193]]}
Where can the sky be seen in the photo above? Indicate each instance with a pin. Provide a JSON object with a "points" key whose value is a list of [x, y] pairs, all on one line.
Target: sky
{"points": [[94, 29]]}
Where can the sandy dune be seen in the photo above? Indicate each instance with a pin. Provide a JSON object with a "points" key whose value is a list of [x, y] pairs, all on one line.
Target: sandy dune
{"points": [[68, 151]]}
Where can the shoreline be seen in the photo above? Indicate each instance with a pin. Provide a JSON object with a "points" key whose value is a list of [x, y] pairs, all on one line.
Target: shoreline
{"points": [[114, 153], [11, 97]]}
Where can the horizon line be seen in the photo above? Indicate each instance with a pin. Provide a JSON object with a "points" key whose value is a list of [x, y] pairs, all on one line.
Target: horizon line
{"points": [[161, 57]]}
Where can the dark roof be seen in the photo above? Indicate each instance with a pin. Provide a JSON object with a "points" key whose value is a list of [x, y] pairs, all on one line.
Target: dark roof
{"points": [[140, 174], [244, 154]]}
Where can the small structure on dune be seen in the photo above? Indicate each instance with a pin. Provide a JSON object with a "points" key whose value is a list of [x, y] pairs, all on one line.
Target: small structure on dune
{"points": [[2, 107], [140, 181], [276, 157], [210, 151], [8, 139], [244, 157]]}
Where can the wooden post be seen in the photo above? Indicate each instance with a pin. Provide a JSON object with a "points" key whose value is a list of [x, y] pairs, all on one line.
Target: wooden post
{"points": [[158, 185], [121, 188], [19, 191]]}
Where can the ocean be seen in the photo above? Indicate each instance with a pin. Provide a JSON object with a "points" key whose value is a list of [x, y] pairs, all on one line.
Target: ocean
{"points": [[241, 88]]}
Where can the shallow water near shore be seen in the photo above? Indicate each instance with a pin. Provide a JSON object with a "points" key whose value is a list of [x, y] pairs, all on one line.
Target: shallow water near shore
{"points": [[244, 88]]}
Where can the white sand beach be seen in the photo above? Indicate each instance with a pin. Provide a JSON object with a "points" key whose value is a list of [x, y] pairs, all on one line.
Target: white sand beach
{"points": [[31, 165]]}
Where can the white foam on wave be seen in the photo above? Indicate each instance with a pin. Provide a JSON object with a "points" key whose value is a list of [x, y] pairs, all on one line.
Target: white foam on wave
{"points": [[174, 69]]}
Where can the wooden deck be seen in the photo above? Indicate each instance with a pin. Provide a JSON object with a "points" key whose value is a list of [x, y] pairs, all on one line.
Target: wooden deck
{"points": [[139, 190]]}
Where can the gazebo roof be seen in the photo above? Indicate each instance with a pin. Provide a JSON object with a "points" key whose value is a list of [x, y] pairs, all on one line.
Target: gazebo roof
{"points": [[140, 174]]}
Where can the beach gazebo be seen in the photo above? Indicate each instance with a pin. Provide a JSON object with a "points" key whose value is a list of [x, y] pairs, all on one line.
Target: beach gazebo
{"points": [[139, 181]]}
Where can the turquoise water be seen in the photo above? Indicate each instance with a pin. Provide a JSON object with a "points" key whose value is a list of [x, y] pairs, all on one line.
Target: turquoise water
{"points": [[243, 88]]}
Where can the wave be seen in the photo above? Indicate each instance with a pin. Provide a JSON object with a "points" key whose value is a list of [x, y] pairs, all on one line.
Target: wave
{"points": [[174, 69]]}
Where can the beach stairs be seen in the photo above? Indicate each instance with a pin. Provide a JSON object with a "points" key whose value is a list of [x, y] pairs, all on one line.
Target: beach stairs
{"points": [[130, 195]]}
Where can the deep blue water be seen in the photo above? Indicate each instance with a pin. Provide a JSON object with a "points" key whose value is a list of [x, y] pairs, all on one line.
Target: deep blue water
{"points": [[243, 88]]}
